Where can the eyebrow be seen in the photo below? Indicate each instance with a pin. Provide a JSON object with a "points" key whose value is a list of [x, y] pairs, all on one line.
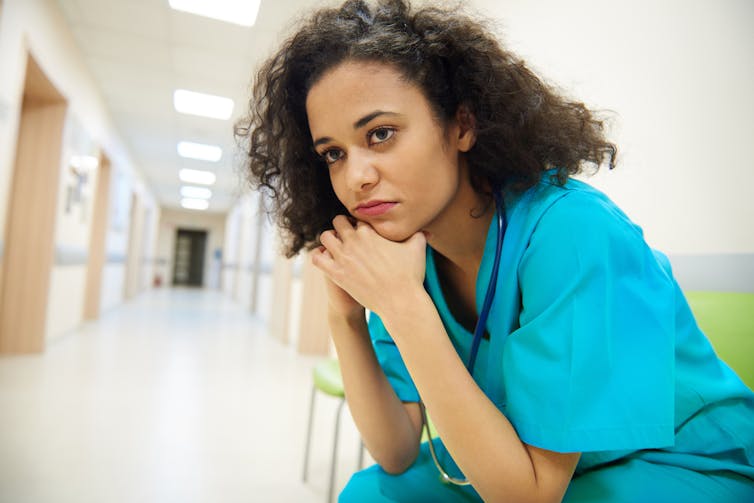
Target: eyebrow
{"points": [[359, 124], [367, 118]]}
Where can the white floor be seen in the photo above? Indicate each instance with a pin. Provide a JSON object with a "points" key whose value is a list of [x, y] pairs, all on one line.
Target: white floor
{"points": [[177, 396]]}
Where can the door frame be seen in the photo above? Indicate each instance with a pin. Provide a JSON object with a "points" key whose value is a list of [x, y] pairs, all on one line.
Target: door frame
{"points": [[97, 241], [32, 208]]}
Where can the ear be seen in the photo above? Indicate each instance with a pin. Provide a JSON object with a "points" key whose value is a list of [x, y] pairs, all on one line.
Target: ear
{"points": [[466, 128]]}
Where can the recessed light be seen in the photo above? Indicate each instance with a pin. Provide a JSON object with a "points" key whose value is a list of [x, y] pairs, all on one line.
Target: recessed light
{"points": [[211, 153], [197, 176], [195, 204], [196, 192], [204, 105], [241, 12]]}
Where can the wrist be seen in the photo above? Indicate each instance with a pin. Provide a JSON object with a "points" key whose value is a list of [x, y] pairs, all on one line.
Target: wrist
{"points": [[401, 310], [352, 318]]}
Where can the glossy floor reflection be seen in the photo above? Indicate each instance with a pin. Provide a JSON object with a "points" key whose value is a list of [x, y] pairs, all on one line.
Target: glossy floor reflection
{"points": [[176, 396]]}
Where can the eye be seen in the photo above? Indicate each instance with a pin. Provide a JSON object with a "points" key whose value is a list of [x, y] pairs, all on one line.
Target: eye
{"points": [[331, 155], [380, 135]]}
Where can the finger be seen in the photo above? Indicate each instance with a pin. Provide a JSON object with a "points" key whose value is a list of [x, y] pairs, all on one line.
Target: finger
{"points": [[343, 227], [322, 259], [331, 242], [323, 251], [363, 227]]}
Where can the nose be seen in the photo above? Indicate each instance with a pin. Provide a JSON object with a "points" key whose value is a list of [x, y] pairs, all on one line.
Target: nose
{"points": [[361, 172]]}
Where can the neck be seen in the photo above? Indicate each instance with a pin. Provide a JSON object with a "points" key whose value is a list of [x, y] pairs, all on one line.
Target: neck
{"points": [[459, 235]]}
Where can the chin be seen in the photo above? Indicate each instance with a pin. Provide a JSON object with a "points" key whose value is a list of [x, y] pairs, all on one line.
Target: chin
{"points": [[389, 230]]}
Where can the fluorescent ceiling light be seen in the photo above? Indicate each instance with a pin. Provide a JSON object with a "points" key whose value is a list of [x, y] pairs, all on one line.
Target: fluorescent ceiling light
{"points": [[204, 105], [196, 192], [195, 204], [242, 12], [200, 151], [197, 176]]}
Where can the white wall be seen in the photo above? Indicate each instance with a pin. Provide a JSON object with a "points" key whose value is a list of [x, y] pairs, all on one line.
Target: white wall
{"points": [[39, 27], [116, 240], [233, 222], [269, 251], [72, 231], [245, 257], [244, 235], [680, 75]]}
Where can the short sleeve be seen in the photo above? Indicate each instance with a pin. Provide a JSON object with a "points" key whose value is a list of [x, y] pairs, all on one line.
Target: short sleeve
{"points": [[591, 366], [391, 361]]}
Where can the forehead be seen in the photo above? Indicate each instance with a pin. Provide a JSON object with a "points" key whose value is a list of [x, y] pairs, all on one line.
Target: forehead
{"points": [[352, 89]]}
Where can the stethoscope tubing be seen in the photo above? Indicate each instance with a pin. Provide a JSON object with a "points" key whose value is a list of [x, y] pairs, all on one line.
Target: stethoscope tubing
{"points": [[502, 224]]}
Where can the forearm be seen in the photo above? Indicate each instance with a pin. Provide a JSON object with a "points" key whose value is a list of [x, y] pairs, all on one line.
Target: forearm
{"points": [[384, 424], [480, 438]]}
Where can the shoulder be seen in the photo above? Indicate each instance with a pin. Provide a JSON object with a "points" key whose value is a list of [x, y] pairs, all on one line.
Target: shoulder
{"points": [[575, 232], [573, 209]]}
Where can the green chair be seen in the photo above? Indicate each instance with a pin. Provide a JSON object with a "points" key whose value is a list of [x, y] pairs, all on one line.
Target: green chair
{"points": [[327, 379], [727, 319]]}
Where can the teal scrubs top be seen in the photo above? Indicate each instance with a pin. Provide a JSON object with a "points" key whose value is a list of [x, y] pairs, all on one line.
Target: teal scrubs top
{"points": [[592, 346]]}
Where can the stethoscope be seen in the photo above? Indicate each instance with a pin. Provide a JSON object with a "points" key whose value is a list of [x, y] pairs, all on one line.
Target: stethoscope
{"points": [[502, 224]]}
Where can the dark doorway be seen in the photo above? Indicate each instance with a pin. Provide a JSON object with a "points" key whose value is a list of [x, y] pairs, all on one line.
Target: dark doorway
{"points": [[188, 264]]}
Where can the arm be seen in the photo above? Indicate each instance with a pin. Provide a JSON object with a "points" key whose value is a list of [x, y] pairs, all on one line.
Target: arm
{"points": [[481, 440], [390, 429], [386, 277]]}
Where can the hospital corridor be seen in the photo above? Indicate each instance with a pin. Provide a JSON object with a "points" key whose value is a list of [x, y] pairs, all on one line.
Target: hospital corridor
{"points": [[158, 344], [179, 395]]}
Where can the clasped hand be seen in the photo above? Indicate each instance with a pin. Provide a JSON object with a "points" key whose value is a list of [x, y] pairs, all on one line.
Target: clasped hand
{"points": [[373, 271]]}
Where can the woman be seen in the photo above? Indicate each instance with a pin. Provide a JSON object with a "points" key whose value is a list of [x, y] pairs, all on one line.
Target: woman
{"points": [[412, 153]]}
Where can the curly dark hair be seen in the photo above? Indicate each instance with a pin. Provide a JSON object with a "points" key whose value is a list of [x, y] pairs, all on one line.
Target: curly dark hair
{"points": [[523, 126]]}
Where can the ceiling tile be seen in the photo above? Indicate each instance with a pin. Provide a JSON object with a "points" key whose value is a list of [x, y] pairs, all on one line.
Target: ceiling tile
{"points": [[122, 47], [143, 19]]}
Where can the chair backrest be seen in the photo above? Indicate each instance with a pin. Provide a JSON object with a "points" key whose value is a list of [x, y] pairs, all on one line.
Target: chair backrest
{"points": [[727, 319]]}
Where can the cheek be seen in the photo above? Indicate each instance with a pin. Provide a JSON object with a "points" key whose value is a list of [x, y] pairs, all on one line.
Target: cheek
{"points": [[336, 181]]}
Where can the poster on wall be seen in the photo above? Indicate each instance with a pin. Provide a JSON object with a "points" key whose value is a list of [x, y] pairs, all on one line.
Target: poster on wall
{"points": [[82, 156]]}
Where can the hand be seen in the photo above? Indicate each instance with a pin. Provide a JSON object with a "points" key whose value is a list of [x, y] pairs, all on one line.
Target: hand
{"points": [[339, 302], [374, 271]]}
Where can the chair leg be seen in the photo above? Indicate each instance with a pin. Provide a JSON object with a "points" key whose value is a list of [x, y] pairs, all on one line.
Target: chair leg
{"points": [[334, 451], [309, 434]]}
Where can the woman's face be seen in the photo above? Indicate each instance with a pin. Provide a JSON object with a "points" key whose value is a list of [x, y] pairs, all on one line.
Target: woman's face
{"points": [[391, 163]]}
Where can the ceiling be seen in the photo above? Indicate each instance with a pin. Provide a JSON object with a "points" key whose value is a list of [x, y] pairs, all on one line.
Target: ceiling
{"points": [[140, 51]]}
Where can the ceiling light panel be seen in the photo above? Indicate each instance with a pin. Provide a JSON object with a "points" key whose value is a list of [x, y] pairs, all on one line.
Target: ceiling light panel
{"points": [[241, 12], [203, 105], [194, 204], [197, 176], [190, 150], [196, 192]]}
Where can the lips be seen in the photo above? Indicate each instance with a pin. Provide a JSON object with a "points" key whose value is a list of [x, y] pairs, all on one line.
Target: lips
{"points": [[374, 208]]}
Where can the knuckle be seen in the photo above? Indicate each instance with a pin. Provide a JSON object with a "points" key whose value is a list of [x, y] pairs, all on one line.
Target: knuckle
{"points": [[327, 237]]}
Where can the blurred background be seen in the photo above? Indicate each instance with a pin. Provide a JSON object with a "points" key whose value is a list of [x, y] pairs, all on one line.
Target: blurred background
{"points": [[155, 346]]}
